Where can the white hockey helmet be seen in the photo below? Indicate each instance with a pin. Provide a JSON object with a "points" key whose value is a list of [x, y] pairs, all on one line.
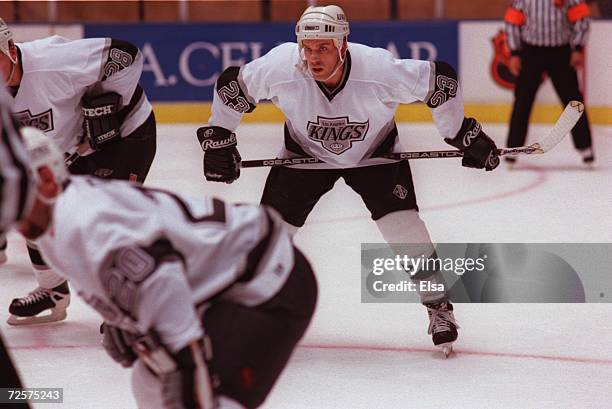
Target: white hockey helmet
{"points": [[323, 22], [43, 151], [6, 35]]}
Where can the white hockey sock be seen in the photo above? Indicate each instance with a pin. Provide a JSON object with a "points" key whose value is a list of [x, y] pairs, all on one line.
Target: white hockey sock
{"points": [[290, 228], [406, 227], [48, 278], [45, 276]]}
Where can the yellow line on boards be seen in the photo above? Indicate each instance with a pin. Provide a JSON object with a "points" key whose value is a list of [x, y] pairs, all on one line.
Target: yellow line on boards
{"points": [[198, 112]]}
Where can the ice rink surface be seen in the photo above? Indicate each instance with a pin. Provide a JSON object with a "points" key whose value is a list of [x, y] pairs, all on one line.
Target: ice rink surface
{"points": [[358, 355]]}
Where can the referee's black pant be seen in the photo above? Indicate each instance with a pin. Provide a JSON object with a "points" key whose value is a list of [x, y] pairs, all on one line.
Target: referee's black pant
{"points": [[555, 62]]}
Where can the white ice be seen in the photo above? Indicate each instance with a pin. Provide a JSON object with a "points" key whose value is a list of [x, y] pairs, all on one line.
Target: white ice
{"points": [[358, 355]]}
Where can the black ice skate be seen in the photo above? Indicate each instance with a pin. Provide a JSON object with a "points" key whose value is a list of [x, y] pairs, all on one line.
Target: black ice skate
{"points": [[40, 306], [442, 326]]}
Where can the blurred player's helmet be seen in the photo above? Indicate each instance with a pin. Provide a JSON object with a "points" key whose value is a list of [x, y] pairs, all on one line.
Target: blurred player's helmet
{"points": [[325, 22], [42, 151], [6, 35]]}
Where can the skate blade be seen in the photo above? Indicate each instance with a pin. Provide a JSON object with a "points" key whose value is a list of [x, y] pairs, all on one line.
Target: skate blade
{"points": [[447, 349], [55, 316]]}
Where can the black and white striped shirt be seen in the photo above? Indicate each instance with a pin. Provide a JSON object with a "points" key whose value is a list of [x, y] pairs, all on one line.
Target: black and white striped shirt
{"points": [[547, 23], [16, 187]]}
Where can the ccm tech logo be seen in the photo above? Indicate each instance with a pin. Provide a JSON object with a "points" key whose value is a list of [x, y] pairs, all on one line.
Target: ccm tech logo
{"points": [[98, 111]]}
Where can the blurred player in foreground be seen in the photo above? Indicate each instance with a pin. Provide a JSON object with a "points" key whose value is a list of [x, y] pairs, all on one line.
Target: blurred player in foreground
{"points": [[206, 300]]}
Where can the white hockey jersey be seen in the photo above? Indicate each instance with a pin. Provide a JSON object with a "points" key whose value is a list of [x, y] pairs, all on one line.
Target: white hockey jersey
{"points": [[57, 72], [144, 258], [345, 126]]}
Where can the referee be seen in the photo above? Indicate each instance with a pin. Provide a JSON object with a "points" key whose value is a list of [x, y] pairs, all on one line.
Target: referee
{"points": [[547, 37], [15, 196]]}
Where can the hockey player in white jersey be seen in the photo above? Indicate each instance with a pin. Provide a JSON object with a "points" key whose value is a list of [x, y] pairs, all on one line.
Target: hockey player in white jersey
{"points": [[206, 300], [85, 95], [339, 100]]}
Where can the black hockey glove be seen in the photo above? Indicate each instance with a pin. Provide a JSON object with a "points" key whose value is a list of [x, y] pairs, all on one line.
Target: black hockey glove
{"points": [[221, 157], [479, 151], [101, 124], [117, 343], [185, 382]]}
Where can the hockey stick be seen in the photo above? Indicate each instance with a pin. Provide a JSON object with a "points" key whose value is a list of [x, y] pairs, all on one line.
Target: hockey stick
{"points": [[572, 113], [75, 153]]}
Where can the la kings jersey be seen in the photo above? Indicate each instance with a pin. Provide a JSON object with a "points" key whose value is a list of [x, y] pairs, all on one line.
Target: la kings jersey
{"points": [[144, 258], [57, 72], [345, 126]]}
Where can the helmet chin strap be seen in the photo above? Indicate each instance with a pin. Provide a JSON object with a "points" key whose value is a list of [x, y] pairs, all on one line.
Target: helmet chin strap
{"points": [[340, 64], [10, 77]]}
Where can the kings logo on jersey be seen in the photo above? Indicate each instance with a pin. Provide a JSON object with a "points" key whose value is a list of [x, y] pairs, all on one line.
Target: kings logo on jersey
{"points": [[337, 134], [42, 121]]}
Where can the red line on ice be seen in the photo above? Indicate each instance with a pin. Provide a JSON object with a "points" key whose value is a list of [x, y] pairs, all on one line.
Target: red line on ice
{"points": [[458, 351], [558, 358]]}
